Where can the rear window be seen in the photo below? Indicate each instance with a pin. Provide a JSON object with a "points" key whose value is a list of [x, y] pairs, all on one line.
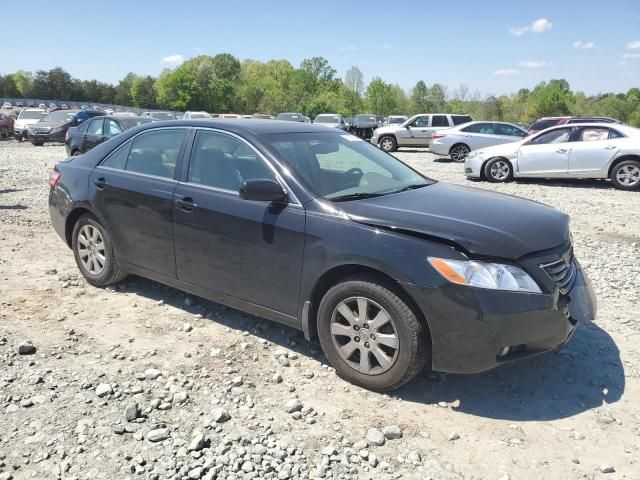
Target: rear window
{"points": [[460, 119]]}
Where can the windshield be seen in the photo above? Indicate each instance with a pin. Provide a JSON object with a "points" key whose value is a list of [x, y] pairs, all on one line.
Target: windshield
{"points": [[200, 115], [162, 115], [59, 116], [365, 119], [31, 114], [343, 167], [327, 119], [396, 120]]}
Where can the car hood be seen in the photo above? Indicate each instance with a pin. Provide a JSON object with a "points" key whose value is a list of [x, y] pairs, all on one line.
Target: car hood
{"points": [[26, 122], [481, 222], [48, 124], [507, 150]]}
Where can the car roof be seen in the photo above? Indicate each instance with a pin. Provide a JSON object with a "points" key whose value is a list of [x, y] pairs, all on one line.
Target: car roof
{"points": [[627, 129], [125, 117], [239, 126]]}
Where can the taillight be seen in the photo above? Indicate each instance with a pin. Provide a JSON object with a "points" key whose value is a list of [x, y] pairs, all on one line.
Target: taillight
{"points": [[436, 136], [54, 178]]}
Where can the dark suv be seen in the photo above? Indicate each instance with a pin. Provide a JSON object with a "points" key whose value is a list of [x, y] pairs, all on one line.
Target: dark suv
{"points": [[53, 127]]}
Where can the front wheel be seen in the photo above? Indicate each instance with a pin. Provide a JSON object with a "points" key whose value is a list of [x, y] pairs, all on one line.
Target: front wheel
{"points": [[388, 144], [626, 175], [498, 170], [371, 336], [459, 152], [94, 253]]}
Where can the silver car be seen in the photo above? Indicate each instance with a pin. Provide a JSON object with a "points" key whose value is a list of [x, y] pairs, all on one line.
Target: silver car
{"points": [[457, 142], [588, 150], [415, 132], [331, 120]]}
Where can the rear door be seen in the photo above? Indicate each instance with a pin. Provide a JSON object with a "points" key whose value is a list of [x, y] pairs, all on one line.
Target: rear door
{"points": [[247, 250], [479, 135], [133, 192], [437, 122], [546, 155], [592, 150], [506, 133]]}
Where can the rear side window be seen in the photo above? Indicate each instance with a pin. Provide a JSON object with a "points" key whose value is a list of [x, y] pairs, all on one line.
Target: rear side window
{"points": [[118, 159], [439, 121], [485, 128], [593, 134], [460, 119], [615, 134], [113, 128], [155, 152], [509, 130], [95, 127]]}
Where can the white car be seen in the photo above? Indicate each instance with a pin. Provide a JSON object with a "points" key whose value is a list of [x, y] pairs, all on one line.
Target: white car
{"points": [[194, 115], [26, 118], [458, 141], [331, 120], [589, 150]]}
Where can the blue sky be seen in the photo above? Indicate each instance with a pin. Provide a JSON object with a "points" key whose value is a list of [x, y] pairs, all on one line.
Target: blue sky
{"points": [[492, 46]]}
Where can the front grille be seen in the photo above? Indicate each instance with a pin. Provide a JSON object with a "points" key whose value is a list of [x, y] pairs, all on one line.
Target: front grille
{"points": [[562, 272], [41, 130]]}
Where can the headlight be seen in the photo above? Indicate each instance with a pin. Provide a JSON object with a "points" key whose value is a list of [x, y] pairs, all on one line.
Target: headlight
{"points": [[495, 276]]}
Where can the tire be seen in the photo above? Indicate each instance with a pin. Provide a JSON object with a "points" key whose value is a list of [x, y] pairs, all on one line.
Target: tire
{"points": [[388, 144], [20, 139], [626, 175], [498, 170], [37, 144], [76, 153], [336, 331], [110, 271], [459, 152]]}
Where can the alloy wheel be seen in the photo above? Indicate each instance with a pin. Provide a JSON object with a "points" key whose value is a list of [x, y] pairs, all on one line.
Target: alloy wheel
{"points": [[500, 170], [364, 335], [91, 250], [628, 175], [386, 144], [459, 153]]}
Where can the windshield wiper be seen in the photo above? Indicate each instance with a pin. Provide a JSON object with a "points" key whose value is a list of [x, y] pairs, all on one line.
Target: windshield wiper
{"points": [[409, 187], [355, 196]]}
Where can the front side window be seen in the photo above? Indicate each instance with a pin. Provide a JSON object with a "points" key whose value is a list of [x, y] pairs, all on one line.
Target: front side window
{"points": [[439, 121], [155, 152], [593, 134], [222, 161], [95, 127], [343, 167], [508, 130], [421, 122], [485, 128], [559, 135]]}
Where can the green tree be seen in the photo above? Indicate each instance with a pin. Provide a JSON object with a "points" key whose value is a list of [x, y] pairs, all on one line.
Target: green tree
{"points": [[143, 94], [420, 101], [379, 97]]}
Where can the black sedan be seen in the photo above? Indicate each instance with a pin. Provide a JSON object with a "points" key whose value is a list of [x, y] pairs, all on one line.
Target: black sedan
{"points": [[80, 139], [322, 231]]}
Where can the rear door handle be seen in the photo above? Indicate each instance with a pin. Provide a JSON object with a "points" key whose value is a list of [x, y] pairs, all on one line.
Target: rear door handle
{"points": [[100, 183], [186, 204], [610, 147], [562, 150]]}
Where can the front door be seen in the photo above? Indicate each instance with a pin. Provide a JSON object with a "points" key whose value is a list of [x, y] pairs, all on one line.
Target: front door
{"points": [[133, 192], [245, 249], [414, 134], [94, 134], [546, 155]]}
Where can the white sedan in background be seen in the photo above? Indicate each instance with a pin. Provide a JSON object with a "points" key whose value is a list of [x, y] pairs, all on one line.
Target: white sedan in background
{"points": [[590, 150], [458, 141]]}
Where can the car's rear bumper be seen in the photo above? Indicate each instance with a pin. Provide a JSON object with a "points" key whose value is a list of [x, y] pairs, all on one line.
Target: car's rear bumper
{"points": [[439, 148], [472, 327]]}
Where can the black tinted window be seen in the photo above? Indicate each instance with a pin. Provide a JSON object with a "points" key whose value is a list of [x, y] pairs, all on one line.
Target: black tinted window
{"points": [[222, 161], [544, 124], [486, 128], [460, 119], [155, 152], [439, 121], [508, 130]]}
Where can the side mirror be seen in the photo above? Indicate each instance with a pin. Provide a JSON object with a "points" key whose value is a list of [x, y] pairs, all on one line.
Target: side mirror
{"points": [[263, 190]]}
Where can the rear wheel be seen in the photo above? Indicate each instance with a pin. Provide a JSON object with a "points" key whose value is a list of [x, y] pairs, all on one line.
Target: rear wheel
{"points": [[498, 170], [371, 336], [388, 144], [75, 153], [626, 175], [459, 152], [94, 253]]}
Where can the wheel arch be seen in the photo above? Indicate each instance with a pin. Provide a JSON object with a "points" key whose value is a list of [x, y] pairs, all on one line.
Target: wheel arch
{"points": [[392, 135], [458, 143], [342, 272], [484, 164], [71, 220], [620, 159]]}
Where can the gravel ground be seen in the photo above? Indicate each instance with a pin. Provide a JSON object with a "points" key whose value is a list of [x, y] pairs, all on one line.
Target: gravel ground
{"points": [[142, 381]]}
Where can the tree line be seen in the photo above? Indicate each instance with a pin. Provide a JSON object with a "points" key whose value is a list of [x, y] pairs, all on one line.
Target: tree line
{"points": [[222, 84]]}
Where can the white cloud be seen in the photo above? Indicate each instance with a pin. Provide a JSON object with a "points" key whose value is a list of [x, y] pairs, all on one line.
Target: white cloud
{"points": [[507, 72], [583, 45], [348, 48], [634, 44], [631, 55], [539, 26], [533, 64], [173, 59]]}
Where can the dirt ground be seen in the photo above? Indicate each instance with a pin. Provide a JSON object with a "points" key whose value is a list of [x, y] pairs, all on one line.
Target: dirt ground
{"points": [[574, 414]]}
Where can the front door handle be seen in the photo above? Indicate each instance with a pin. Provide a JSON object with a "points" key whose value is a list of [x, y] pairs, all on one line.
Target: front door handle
{"points": [[100, 183], [562, 150], [186, 204], [610, 147]]}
